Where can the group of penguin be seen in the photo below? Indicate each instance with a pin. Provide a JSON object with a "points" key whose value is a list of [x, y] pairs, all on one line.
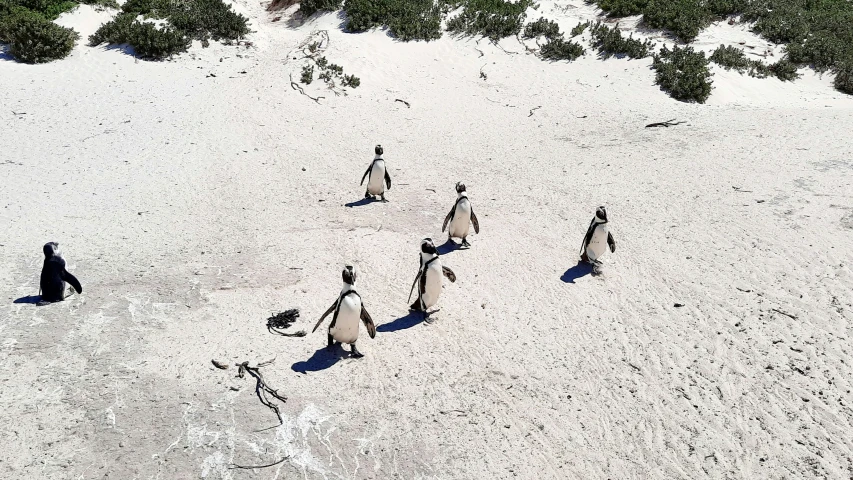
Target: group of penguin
{"points": [[348, 309]]}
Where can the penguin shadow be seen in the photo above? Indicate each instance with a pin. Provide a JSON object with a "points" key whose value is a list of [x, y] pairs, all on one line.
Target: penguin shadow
{"points": [[321, 360], [406, 321], [32, 299], [447, 247], [582, 269], [361, 203]]}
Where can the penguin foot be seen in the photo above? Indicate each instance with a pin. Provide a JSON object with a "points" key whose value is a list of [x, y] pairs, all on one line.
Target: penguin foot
{"points": [[416, 307], [368, 195], [465, 243], [354, 352], [383, 199]]}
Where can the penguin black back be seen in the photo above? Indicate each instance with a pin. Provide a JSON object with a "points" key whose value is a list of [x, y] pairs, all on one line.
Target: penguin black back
{"points": [[54, 275]]}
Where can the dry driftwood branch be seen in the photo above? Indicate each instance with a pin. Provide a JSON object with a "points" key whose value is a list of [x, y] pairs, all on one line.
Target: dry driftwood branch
{"points": [[792, 317], [667, 124], [296, 86], [218, 365], [403, 101], [252, 467], [261, 388], [283, 320], [532, 109]]}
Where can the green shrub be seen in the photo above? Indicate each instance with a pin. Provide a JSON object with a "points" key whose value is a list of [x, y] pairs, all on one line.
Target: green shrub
{"points": [[542, 28], [36, 40], [203, 19], [494, 19], [722, 8], [310, 7], [684, 18], [351, 81], [622, 8], [148, 41], [307, 74], [609, 41], [784, 70], [579, 28], [49, 9], [730, 57], [406, 19], [559, 49], [683, 73], [844, 77]]}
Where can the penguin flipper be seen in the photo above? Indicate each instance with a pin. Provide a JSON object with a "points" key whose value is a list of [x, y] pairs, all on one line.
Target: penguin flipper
{"points": [[330, 310], [413, 284], [387, 179], [611, 242], [475, 222], [448, 218], [449, 274], [366, 173], [587, 237], [72, 280], [368, 322]]}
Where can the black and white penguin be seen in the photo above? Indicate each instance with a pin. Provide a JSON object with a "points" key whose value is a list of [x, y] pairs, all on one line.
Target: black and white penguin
{"points": [[597, 236], [348, 311], [379, 177], [429, 278], [54, 275], [460, 216]]}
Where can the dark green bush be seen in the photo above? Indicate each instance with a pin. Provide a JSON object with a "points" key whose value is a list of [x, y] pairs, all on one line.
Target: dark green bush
{"points": [[307, 74], [722, 8], [36, 40], [542, 28], [684, 18], [494, 19], [579, 28], [730, 57], [844, 77], [351, 81], [622, 8], [784, 70], [683, 73], [310, 7], [559, 49], [148, 41], [406, 19], [49, 9], [609, 41], [203, 19]]}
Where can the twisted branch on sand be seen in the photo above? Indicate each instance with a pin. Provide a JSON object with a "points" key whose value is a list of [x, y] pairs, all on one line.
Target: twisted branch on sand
{"points": [[261, 388], [252, 467], [667, 124], [296, 86]]}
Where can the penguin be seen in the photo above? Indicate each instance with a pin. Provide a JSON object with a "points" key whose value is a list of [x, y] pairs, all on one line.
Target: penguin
{"points": [[460, 216], [430, 276], [54, 275], [348, 311], [377, 173], [596, 235]]}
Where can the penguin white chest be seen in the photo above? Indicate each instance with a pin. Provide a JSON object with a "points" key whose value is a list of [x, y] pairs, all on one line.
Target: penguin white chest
{"points": [[345, 329], [432, 287], [461, 219], [376, 183], [598, 243]]}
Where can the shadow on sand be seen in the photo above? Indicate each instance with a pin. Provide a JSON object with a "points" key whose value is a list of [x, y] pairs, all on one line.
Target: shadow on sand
{"points": [[361, 203], [582, 269], [407, 321], [321, 360], [447, 247], [29, 299]]}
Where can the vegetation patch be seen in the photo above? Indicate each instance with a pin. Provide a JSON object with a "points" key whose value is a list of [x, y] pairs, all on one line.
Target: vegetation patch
{"points": [[331, 74], [561, 49], [683, 73], [542, 28], [493, 19], [609, 41], [27, 26], [732, 58], [406, 19], [579, 28], [310, 7], [184, 21]]}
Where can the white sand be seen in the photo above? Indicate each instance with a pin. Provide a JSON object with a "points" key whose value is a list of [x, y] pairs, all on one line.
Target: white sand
{"points": [[181, 203]]}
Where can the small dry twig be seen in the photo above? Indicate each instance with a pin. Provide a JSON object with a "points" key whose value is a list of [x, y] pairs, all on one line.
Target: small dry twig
{"points": [[252, 467], [296, 86], [283, 320], [667, 124], [261, 388], [532, 109], [218, 365], [793, 317], [403, 101]]}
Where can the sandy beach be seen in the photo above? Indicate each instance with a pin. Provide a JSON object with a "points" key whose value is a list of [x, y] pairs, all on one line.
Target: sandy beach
{"points": [[194, 198]]}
